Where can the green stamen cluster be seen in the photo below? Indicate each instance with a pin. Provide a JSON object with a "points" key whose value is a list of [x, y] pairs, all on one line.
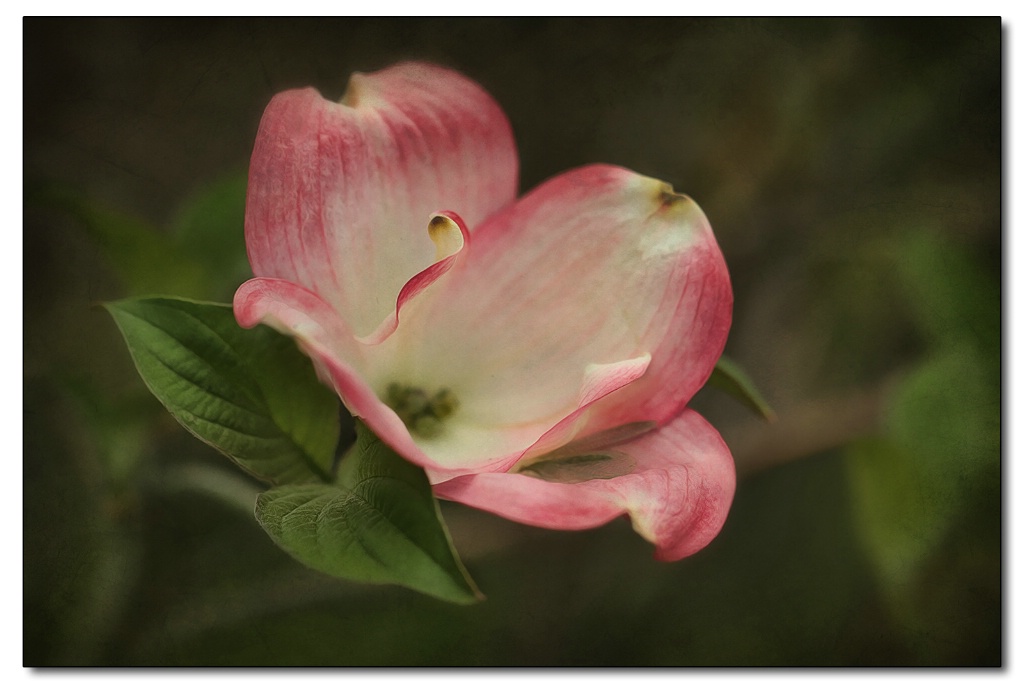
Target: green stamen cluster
{"points": [[422, 413]]}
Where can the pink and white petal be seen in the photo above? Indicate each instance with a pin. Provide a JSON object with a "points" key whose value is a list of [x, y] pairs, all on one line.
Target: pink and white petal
{"points": [[473, 446], [677, 496], [596, 266], [340, 193]]}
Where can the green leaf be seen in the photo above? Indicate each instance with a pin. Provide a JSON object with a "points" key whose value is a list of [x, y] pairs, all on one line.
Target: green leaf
{"points": [[730, 378], [249, 393], [379, 524]]}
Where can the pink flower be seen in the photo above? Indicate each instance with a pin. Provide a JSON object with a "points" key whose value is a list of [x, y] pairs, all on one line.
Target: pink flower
{"points": [[534, 355]]}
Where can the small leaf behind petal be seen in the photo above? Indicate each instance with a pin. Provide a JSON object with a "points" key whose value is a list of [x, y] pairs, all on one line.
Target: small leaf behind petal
{"points": [[730, 378], [587, 458], [572, 469], [379, 524], [604, 439]]}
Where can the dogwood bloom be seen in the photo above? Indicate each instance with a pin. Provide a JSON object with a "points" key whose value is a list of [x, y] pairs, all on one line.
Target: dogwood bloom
{"points": [[534, 355]]}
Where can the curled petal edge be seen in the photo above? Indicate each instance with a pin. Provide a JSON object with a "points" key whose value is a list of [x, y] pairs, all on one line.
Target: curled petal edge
{"points": [[451, 239]]}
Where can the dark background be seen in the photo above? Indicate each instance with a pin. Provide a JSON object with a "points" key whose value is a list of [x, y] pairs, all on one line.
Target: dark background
{"points": [[851, 169]]}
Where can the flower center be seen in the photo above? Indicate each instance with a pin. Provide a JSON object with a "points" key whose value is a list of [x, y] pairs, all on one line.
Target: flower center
{"points": [[424, 414]]}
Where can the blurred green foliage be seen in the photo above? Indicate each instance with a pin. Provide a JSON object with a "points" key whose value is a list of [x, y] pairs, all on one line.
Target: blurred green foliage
{"points": [[851, 169], [936, 458]]}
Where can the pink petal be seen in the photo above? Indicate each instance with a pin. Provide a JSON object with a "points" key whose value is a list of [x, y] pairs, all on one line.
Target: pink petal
{"points": [[340, 193], [677, 495], [595, 267]]}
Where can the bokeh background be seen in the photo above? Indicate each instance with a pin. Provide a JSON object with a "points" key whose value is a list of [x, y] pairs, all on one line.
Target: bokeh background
{"points": [[852, 172]]}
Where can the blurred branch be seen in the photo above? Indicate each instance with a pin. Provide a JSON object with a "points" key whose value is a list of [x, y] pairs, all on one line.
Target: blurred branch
{"points": [[811, 427], [235, 491]]}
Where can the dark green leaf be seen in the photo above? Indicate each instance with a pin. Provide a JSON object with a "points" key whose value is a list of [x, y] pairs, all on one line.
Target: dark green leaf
{"points": [[379, 524], [730, 378], [249, 393]]}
